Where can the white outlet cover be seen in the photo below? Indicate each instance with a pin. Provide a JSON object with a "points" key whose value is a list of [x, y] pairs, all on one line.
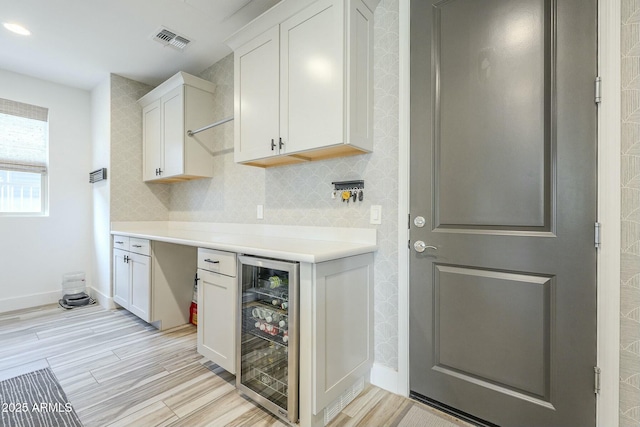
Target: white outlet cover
{"points": [[260, 212]]}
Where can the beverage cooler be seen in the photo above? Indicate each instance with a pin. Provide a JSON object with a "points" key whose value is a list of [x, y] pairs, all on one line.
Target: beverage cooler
{"points": [[268, 336]]}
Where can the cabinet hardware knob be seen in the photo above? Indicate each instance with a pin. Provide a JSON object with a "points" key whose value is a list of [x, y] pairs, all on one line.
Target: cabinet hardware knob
{"points": [[212, 261], [126, 259], [280, 144], [273, 144]]}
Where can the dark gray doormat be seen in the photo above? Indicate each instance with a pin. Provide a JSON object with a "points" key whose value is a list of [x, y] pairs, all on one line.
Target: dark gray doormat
{"points": [[35, 400]]}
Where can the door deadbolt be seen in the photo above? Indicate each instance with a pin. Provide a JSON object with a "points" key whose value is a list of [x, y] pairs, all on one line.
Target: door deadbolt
{"points": [[419, 221]]}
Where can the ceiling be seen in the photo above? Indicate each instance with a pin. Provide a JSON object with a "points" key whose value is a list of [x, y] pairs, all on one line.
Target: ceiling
{"points": [[80, 42]]}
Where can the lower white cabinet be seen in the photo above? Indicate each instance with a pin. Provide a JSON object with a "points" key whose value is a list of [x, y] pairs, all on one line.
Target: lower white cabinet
{"points": [[140, 303], [336, 334], [121, 278], [217, 305], [132, 282], [154, 280]]}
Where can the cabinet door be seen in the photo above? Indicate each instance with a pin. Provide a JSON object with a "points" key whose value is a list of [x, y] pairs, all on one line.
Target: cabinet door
{"points": [[217, 302], [121, 278], [151, 141], [173, 131], [257, 92], [312, 77], [140, 303]]}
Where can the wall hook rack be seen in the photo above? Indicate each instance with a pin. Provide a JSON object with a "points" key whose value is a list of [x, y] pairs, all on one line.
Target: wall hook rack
{"points": [[348, 190], [348, 185]]}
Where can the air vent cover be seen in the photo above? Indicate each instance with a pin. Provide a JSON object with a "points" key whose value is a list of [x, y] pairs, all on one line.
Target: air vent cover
{"points": [[170, 38]]}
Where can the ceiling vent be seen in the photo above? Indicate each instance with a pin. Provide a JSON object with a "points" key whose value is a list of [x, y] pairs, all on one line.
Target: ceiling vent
{"points": [[170, 38]]}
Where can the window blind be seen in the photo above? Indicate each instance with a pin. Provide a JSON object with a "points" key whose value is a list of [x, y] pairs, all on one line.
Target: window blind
{"points": [[23, 137]]}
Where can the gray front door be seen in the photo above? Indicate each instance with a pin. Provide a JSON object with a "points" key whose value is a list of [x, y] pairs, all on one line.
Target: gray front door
{"points": [[503, 161]]}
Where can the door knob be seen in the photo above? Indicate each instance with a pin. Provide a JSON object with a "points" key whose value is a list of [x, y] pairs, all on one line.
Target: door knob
{"points": [[420, 246]]}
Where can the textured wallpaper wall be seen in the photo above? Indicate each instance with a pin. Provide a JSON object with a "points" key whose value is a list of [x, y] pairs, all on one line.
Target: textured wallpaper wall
{"points": [[301, 194], [630, 217], [131, 198]]}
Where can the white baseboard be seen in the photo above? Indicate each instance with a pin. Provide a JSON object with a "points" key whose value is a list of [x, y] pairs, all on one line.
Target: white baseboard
{"points": [[102, 299], [384, 377], [29, 301]]}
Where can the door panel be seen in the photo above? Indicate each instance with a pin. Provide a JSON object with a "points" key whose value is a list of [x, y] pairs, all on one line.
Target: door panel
{"points": [[257, 92], [140, 286], [504, 317], [121, 278], [503, 310], [311, 67], [174, 132], [152, 141], [217, 296], [491, 65]]}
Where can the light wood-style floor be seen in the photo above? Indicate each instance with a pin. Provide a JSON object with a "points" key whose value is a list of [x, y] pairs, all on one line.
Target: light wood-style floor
{"points": [[119, 371]]}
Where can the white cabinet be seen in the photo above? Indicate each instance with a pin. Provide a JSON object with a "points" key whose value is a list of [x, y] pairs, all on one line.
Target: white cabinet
{"points": [[217, 303], [132, 280], [257, 110], [303, 87], [121, 278], [154, 281], [169, 112], [140, 303]]}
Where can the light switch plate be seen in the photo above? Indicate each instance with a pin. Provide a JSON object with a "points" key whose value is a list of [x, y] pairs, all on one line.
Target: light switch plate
{"points": [[260, 212], [376, 214]]}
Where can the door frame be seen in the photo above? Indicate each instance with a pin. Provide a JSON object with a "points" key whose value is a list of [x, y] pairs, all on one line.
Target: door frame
{"points": [[608, 255]]}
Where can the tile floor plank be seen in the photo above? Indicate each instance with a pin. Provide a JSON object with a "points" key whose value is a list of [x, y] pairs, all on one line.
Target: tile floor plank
{"points": [[119, 371]]}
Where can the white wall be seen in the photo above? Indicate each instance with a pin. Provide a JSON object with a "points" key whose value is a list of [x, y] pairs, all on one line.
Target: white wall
{"points": [[101, 192], [36, 251]]}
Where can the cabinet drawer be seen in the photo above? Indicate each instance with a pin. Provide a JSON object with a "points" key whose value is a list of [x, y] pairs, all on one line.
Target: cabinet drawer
{"points": [[121, 242], [140, 246], [217, 261]]}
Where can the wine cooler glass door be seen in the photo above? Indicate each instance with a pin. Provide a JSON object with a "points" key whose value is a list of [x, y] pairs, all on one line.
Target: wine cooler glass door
{"points": [[268, 341]]}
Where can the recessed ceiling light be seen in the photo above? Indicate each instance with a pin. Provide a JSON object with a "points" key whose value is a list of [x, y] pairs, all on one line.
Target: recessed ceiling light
{"points": [[16, 28]]}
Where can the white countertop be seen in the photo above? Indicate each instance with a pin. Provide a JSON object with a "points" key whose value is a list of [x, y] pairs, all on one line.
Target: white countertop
{"points": [[293, 243]]}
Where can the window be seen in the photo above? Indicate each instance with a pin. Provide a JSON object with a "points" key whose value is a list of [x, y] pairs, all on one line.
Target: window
{"points": [[24, 152]]}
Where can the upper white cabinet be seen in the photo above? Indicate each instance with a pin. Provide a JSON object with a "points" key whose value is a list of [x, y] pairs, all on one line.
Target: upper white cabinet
{"points": [[169, 112], [303, 82]]}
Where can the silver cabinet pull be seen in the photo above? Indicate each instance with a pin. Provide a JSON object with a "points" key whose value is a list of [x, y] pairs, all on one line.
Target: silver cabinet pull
{"points": [[120, 243], [420, 246], [137, 246], [212, 261]]}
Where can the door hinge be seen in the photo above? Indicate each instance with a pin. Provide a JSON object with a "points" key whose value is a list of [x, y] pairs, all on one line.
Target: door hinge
{"points": [[409, 222], [597, 372], [598, 90], [597, 234]]}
